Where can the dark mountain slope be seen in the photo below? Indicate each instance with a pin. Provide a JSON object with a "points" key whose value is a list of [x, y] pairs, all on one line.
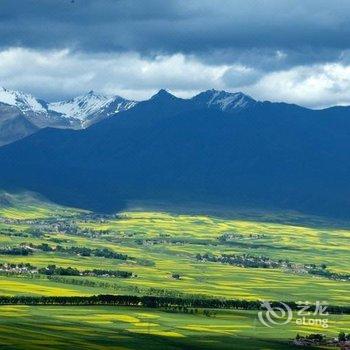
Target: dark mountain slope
{"points": [[268, 155], [13, 124]]}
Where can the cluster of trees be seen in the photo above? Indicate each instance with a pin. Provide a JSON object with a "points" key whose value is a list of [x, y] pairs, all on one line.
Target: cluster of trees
{"points": [[69, 227], [344, 336], [107, 253], [155, 241], [229, 237], [8, 231], [311, 338], [81, 251], [245, 260], [166, 239], [51, 270], [72, 271], [17, 268], [56, 270], [323, 272], [109, 273], [42, 246], [40, 227], [15, 251], [342, 340]]}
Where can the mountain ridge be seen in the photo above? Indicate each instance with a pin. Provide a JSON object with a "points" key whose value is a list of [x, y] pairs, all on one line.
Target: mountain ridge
{"points": [[89, 107], [77, 113], [270, 155]]}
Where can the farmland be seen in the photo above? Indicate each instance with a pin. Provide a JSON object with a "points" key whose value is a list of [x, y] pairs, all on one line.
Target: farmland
{"points": [[303, 259], [125, 328]]}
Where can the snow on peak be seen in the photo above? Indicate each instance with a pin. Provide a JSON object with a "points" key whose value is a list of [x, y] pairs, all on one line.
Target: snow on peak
{"points": [[25, 102], [82, 107], [223, 100]]}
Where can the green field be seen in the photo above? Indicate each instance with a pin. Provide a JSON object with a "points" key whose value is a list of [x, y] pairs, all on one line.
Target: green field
{"points": [[132, 328], [162, 249]]}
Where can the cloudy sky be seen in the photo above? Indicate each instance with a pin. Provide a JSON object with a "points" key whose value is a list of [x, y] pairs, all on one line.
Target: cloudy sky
{"points": [[281, 50]]}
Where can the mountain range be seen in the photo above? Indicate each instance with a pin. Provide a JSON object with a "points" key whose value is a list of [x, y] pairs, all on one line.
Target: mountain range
{"points": [[22, 114], [216, 147]]}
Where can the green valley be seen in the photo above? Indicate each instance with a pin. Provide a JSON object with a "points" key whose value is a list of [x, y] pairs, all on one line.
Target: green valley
{"points": [[49, 250]]}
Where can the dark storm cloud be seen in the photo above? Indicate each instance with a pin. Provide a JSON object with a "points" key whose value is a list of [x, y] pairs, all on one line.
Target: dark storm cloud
{"points": [[308, 30], [283, 50]]}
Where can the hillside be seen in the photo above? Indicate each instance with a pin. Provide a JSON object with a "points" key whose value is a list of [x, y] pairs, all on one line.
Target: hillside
{"points": [[22, 114], [13, 124], [257, 154]]}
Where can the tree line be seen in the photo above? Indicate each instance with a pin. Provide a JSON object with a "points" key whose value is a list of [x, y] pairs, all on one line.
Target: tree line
{"points": [[53, 270], [153, 302], [81, 251], [72, 271]]}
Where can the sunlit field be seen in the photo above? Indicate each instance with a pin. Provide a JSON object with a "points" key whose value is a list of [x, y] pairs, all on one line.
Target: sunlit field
{"points": [[162, 255], [129, 328]]}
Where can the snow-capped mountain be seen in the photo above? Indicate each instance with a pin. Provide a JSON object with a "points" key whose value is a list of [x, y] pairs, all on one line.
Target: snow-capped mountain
{"points": [[35, 110], [21, 114], [29, 114], [168, 148], [224, 101], [75, 113], [26, 103], [91, 107]]}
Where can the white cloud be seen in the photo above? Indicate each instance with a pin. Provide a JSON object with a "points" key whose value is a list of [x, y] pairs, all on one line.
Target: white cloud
{"points": [[313, 86], [62, 73], [54, 74]]}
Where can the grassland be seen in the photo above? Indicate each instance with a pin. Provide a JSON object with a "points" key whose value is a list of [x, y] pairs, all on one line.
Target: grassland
{"points": [[132, 328], [159, 246], [28, 205], [146, 235]]}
